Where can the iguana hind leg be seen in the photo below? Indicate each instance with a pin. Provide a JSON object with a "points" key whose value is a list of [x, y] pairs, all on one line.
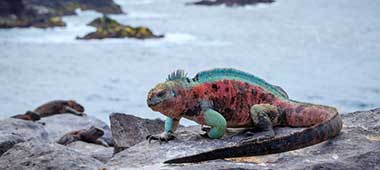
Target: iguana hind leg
{"points": [[217, 123], [263, 117]]}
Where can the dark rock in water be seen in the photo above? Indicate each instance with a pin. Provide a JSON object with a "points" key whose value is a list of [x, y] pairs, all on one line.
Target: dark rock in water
{"points": [[128, 130], [59, 125], [99, 152], [13, 131], [231, 2], [109, 28], [68, 7], [357, 147], [16, 13], [47, 13], [37, 155]]}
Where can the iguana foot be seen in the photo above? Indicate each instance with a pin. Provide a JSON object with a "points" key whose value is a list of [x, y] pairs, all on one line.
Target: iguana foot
{"points": [[74, 112], [163, 137], [258, 137]]}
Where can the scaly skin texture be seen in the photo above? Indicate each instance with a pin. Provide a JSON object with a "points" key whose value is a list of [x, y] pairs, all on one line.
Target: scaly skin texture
{"points": [[229, 98]]}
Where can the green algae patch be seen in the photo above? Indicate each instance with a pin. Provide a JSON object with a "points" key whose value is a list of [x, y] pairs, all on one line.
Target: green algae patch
{"points": [[109, 28]]}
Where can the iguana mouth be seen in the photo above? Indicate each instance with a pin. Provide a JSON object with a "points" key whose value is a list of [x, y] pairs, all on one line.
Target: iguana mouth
{"points": [[153, 102]]}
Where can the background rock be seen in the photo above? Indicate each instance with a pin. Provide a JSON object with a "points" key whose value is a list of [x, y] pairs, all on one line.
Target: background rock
{"points": [[59, 125], [40, 156], [67, 7], [128, 130], [109, 28], [46, 13], [357, 147], [231, 2], [13, 131]]}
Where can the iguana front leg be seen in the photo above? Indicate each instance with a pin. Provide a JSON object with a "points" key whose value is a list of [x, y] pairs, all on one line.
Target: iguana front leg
{"points": [[217, 122], [261, 120], [171, 126]]}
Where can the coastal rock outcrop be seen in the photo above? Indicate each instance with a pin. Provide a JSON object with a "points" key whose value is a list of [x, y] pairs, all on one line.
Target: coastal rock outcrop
{"points": [[59, 125], [230, 3], [128, 130], [13, 131], [109, 28], [38, 155], [357, 147], [44, 14], [27, 145]]}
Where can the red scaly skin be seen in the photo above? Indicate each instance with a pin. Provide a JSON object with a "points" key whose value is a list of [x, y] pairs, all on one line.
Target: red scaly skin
{"points": [[234, 99]]}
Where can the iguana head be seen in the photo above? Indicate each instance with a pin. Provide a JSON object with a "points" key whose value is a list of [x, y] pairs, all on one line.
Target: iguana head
{"points": [[166, 97], [75, 105], [92, 134]]}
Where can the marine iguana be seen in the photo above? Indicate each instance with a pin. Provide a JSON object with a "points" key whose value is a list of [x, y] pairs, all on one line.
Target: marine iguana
{"points": [[28, 115], [90, 135], [228, 98], [58, 107]]}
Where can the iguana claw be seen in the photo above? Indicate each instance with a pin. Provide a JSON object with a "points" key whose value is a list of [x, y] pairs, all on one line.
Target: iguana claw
{"points": [[205, 129], [163, 137]]}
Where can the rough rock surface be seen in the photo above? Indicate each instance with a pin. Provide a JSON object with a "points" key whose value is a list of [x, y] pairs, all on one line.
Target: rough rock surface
{"points": [[46, 13], [98, 152], [59, 125], [230, 3], [40, 156], [128, 130], [109, 28], [13, 131], [357, 147]]}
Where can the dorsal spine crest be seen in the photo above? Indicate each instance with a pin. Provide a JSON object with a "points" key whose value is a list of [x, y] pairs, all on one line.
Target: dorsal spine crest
{"points": [[233, 74]]}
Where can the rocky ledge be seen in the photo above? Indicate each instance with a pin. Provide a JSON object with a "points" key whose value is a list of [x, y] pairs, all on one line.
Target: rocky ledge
{"points": [[47, 13], [30, 145], [230, 3], [109, 28], [357, 147]]}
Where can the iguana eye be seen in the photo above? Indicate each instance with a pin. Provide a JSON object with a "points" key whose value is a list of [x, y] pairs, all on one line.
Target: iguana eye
{"points": [[161, 93]]}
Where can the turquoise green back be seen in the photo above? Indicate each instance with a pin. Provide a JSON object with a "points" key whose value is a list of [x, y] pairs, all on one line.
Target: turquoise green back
{"points": [[233, 74]]}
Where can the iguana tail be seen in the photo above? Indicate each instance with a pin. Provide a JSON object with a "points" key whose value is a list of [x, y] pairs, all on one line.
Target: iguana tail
{"points": [[310, 136]]}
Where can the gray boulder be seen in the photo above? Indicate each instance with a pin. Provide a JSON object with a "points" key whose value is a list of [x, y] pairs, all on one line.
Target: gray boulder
{"points": [[357, 147], [128, 130], [98, 152], [13, 131], [40, 156], [59, 125]]}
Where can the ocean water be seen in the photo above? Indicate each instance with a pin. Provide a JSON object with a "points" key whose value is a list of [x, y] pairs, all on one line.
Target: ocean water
{"points": [[325, 52]]}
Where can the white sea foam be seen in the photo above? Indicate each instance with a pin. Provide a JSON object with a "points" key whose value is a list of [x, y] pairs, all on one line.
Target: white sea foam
{"points": [[145, 15], [179, 38]]}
